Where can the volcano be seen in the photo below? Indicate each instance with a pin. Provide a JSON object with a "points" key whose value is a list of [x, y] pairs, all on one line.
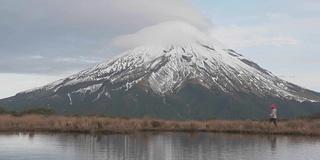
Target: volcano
{"points": [[197, 79]]}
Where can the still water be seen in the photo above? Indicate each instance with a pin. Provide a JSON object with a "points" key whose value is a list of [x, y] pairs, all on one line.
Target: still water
{"points": [[157, 146]]}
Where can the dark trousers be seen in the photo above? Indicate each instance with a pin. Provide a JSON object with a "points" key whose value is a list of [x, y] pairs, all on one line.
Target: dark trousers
{"points": [[274, 120]]}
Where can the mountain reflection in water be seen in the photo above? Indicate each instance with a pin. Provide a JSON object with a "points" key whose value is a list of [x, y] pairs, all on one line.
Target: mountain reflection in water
{"points": [[156, 146]]}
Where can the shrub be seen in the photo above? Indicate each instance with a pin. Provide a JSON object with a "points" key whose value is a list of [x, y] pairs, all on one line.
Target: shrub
{"points": [[155, 124], [316, 116], [13, 113], [41, 111], [211, 119], [2, 111]]}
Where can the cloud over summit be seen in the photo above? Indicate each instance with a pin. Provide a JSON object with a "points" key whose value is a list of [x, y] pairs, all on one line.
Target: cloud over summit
{"points": [[164, 34]]}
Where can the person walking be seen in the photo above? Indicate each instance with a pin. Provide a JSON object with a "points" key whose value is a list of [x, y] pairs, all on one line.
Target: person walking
{"points": [[273, 115]]}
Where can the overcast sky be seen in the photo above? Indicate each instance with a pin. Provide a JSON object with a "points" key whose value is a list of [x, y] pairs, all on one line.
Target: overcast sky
{"points": [[43, 40]]}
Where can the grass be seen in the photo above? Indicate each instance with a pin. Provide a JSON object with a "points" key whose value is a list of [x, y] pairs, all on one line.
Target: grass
{"points": [[97, 124]]}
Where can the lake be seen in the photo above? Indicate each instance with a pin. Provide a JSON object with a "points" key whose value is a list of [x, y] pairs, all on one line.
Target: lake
{"points": [[157, 146]]}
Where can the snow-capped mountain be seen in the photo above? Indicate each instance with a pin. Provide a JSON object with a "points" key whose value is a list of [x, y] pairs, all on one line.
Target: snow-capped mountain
{"points": [[193, 80], [167, 69]]}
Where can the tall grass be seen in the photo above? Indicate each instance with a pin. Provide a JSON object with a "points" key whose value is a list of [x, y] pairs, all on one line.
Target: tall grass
{"points": [[96, 124]]}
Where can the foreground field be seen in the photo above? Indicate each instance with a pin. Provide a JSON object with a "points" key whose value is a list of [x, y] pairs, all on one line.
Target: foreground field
{"points": [[95, 124]]}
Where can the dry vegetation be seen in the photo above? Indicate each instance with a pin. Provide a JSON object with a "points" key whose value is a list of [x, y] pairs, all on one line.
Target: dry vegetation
{"points": [[96, 124]]}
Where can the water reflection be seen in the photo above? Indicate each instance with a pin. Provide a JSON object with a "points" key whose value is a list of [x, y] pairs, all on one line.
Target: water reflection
{"points": [[273, 142], [156, 146]]}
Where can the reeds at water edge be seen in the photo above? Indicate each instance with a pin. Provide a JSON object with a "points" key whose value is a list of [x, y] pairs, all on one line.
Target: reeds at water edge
{"points": [[101, 124]]}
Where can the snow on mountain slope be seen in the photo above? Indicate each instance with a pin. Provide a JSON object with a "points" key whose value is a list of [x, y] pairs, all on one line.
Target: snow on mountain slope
{"points": [[166, 69], [167, 65]]}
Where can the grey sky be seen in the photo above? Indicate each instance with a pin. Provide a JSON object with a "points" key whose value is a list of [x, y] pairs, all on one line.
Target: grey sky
{"points": [[44, 40], [48, 37]]}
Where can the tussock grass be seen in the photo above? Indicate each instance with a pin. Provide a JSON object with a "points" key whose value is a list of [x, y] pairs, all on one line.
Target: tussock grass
{"points": [[96, 124]]}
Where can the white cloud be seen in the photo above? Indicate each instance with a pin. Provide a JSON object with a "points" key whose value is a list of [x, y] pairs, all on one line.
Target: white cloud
{"points": [[243, 36], [277, 29], [311, 5], [278, 16], [109, 14], [36, 57], [14, 83], [164, 34], [81, 59], [309, 80]]}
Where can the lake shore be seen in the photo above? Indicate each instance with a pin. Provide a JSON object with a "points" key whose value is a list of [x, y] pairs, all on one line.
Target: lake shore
{"points": [[108, 125]]}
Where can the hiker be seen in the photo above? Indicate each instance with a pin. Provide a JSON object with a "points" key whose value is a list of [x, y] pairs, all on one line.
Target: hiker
{"points": [[273, 115]]}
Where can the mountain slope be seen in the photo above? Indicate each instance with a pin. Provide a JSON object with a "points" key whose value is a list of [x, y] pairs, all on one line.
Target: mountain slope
{"points": [[196, 80]]}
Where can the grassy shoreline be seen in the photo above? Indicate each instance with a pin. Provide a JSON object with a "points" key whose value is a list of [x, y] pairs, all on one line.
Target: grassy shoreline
{"points": [[108, 125]]}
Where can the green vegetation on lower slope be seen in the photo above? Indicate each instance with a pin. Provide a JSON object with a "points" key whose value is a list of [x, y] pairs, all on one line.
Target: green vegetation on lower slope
{"points": [[190, 102]]}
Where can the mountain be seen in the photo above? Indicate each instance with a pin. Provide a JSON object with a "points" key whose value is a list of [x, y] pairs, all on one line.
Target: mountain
{"points": [[195, 80]]}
